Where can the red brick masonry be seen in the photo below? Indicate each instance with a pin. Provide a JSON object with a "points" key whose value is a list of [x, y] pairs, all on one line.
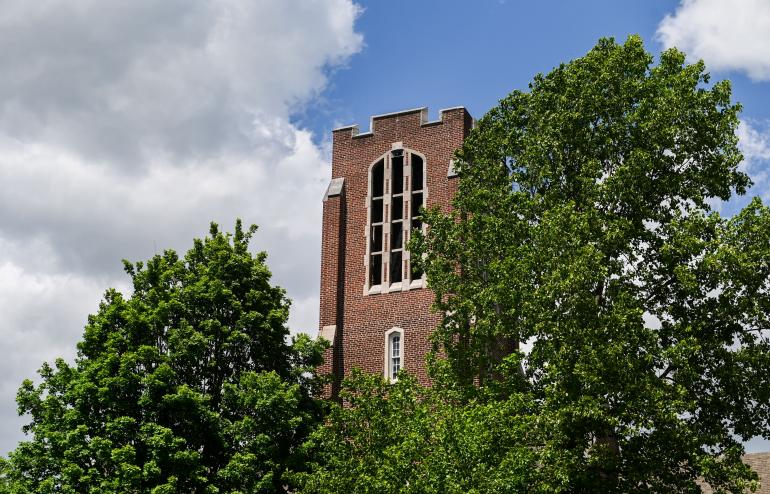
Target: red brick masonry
{"points": [[355, 321]]}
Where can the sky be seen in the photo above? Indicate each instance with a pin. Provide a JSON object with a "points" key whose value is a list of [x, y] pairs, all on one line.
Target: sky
{"points": [[126, 127]]}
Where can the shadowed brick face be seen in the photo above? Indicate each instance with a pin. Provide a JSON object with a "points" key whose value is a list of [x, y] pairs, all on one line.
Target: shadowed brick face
{"points": [[353, 319]]}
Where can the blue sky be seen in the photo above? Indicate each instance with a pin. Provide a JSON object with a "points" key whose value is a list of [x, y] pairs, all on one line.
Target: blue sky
{"points": [[443, 54], [127, 126], [474, 53]]}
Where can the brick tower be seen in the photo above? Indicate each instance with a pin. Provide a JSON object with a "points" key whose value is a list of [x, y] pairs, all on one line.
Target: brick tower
{"points": [[375, 307]]}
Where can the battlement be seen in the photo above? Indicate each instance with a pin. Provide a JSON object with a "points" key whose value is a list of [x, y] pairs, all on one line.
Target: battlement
{"points": [[422, 113]]}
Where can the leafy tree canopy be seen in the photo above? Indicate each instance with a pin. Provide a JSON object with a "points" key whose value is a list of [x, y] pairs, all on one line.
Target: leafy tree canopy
{"points": [[188, 385], [583, 227], [408, 439]]}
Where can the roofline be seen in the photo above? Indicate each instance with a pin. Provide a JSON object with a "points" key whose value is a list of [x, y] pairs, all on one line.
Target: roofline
{"points": [[423, 120], [402, 112]]}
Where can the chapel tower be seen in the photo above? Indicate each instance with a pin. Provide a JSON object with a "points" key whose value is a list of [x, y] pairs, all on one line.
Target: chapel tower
{"points": [[375, 306]]}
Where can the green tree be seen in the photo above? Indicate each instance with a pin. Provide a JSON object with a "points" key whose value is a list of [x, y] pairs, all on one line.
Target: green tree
{"points": [[188, 385], [409, 439], [583, 225]]}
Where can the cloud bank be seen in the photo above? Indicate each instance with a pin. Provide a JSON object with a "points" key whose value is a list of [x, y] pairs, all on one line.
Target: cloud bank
{"points": [[125, 127], [727, 35]]}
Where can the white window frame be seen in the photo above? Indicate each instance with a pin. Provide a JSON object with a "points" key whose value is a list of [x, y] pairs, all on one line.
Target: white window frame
{"points": [[406, 283], [390, 335]]}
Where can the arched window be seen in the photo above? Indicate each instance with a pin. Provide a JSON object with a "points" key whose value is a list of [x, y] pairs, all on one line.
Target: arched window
{"points": [[396, 193], [394, 353]]}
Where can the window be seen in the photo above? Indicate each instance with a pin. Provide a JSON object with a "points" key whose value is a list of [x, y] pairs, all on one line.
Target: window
{"points": [[376, 223], [393, 353], [396, 193], [418, 186]]}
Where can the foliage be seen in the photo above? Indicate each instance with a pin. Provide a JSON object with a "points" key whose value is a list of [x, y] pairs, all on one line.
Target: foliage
{"points": [[583, 226], [410, 439], [188, 385]]}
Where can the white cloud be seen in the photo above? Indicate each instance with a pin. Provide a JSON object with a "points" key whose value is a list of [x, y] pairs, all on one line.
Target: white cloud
{"points": [[754, 143], [727, 35], [42, 316], [125, 127], [304, 314], [134, 80]]}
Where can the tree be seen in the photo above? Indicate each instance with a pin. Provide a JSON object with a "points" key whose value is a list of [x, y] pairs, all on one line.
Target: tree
{"points": [[188, 385], [409, 439], [583, 225]]}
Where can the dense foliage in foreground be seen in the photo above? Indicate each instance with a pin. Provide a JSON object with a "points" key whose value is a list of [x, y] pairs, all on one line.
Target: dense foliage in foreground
{"points": [[188, 385], [410, 439]]}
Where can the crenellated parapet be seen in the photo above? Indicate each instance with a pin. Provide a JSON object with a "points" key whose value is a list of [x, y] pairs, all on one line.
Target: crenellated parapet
{"points": [[416, 116]]}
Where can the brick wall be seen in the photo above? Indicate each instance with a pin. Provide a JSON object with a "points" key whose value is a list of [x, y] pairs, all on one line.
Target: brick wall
{"points": [[357, 321]]}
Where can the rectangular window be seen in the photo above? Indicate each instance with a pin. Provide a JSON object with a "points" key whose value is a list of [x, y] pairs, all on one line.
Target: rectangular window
{"points": [[416, 273], [375, 270], [376, 240], [378, 179], [396, 236], [417, 176], [416, 204], [397, 208], [395, 267], [377, 210], [395, 355], [397, 165]]}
